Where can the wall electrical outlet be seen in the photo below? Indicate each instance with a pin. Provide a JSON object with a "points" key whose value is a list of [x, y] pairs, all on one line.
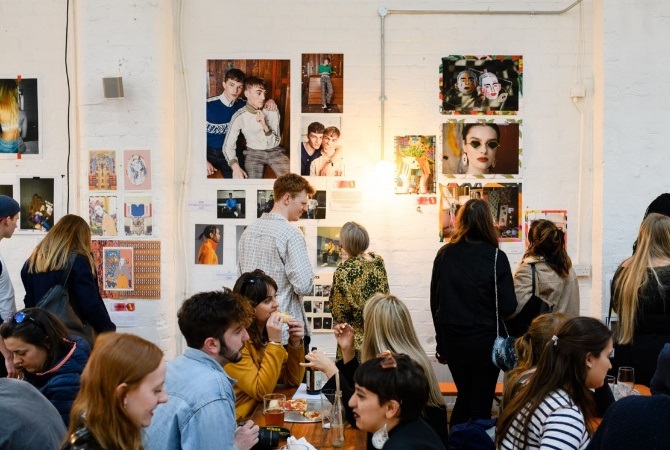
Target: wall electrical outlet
{"points": [[582, 270]]}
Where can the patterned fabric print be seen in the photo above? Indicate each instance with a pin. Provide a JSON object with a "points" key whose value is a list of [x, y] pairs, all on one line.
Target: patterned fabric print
{"points": [[354, 282]]}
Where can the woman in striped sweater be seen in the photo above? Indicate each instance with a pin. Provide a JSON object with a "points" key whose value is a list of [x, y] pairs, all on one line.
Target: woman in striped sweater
{"points": [[554, 410]]}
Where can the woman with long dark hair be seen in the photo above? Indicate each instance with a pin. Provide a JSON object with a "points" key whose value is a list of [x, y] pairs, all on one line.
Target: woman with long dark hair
{"points": [[463, 304]]}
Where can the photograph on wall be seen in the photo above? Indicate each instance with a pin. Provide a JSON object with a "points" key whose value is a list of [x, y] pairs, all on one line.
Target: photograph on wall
{"points": [[19, 116], [102, 170], [137, 170], [481, 148], [312, 155], [259, 137], [7, 189], [322, 83], [316, 206], [37, 204], [328, 250], [145, 263], [317, 305], [414, 164], [504, 200], [103, 214], [117, 265], [558, 216], [265, 201], [137, 215], [482, 84], [208, 245], [231, 204]]}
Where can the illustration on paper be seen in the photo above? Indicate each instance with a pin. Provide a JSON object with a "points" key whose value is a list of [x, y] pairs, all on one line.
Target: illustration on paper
{"points": [[144, 265], [102, 212], [138, 215], [102, 170], [415, 164], [137, 173], [117, 265]]}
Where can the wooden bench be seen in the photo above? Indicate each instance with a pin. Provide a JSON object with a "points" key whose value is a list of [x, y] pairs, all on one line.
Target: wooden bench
{"points": [[448, 389]]}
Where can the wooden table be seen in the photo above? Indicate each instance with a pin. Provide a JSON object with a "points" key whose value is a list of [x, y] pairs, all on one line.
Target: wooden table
{"points": [[315, 435], [641, 388]]}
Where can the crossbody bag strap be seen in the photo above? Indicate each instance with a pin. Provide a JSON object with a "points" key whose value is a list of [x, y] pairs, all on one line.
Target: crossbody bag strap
{"points": [[532, 271], [68, 268]]}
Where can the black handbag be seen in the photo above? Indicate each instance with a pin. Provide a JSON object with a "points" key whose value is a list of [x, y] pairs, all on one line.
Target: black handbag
{"points": [[518, 326], [503, 354]]}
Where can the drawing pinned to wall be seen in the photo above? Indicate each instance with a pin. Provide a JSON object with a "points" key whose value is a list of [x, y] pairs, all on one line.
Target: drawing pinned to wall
{"points": [[311, 139], [137, 172], [328, 250], [37, 204], [415, 164], [117, 265], [316, 206], [504, 200], [103, 213], [481, 84], [481, 148], [231, 204], [317, 305], [264, 126], [322, 83], [265, 201], [102, 170], [19, 116], [558, 216], [207, 248], [146, 268], [138, 215]]}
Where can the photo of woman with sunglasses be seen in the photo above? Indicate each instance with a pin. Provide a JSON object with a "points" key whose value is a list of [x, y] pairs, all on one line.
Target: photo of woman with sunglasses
{"points": [[49, 357]]}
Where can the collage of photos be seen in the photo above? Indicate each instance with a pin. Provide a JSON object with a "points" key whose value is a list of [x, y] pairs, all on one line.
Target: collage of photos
{"points": [[415, 164], [317, 305], [19, 117]]}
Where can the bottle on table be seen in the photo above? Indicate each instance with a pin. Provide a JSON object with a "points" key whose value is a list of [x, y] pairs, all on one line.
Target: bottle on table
{"points": [[313, 383], [337, 421]]}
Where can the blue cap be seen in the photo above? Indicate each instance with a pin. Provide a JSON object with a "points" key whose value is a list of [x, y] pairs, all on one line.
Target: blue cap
{"points": [[8, 207]]}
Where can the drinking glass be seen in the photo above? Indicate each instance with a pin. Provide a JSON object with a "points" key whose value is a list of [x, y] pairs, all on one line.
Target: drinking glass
{"points": [[626, 381], [274, 408], [326, 396]]}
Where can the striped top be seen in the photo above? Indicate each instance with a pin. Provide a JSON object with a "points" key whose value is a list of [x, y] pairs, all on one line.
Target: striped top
{"points": [[556, 424]]}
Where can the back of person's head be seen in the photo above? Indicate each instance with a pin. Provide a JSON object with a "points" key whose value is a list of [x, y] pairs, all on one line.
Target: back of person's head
{"points": [[235, 74], [70, 234], [530, 346], [116, 359], [660, 205], [354, 238], [315, 127], [474, 222], [9, 102], [332, 131], [254, 286], [38, 327], [561, 366], [210, 314], [292, 184], [400, 379], [388, 326], [209, 231], [546, 240], [255, 82]]}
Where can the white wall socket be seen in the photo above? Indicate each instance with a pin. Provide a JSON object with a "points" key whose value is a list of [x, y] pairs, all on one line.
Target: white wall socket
{"points": [[582, 270]]}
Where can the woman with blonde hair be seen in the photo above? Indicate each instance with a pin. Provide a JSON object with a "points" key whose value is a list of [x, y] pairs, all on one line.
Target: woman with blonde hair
{"points": [[64, 257], [388, 326], [121, 386], [361, 275], [641, 299], [13, 121]]}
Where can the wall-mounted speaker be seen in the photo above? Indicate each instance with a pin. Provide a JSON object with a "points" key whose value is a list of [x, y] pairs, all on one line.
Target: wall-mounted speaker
{"points": [[113, 87]]}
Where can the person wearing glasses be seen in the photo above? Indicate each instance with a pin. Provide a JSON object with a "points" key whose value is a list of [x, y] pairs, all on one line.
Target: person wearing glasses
{"points": [[50, 358], [391, 393], [265, 361], [480, 145]]}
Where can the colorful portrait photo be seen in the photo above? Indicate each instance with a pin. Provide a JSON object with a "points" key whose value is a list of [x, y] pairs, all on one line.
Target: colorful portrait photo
{"points": [[209, 244], [328, 250], [322, 83], [102, 170], [415, 164], [19, 116], [117, 266], [312, 129]]}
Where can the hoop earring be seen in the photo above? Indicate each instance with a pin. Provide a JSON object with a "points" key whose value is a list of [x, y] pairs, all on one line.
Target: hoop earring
{"points": [[464, 159]]}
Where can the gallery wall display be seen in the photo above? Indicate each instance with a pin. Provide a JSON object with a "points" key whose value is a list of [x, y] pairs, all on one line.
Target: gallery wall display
{"points": [[102, 174], [19, 116], [208, 245], [231, 204], [415, 164], [138, 276], [259, 136], [482, 84], [322, 83], [317, 306], [558, 216], [481, 148], [36, 199], [313, 129], [328, 250]]}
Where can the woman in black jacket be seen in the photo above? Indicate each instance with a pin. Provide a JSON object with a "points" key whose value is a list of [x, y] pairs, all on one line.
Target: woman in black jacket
{"points": [[463, 304]]}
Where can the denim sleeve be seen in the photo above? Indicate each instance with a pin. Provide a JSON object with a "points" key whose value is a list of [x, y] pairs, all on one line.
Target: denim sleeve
{"points": [[212, 426]]}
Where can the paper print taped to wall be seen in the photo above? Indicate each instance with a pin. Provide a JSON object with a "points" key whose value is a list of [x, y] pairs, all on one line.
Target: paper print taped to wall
{"points": [[137, 170], [415, 164], [558, 216], [265, 201], [117, 266], [103, 213], [481, 148], [322, 83], [37, 204], [328, 250], [317, 305], [481, 84], [138, 215], [261, 134], [231, 204], [316, 206], [208, 244], [504, 200], [314, 155], [146, 264], [19, 116], [102, 170]]}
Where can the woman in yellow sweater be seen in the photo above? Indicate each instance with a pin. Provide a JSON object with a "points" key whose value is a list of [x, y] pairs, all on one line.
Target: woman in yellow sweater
{"points": [[265, 361]]}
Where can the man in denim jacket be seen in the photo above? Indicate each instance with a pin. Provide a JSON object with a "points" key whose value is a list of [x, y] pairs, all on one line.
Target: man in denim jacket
{"points": [[200, 412]]}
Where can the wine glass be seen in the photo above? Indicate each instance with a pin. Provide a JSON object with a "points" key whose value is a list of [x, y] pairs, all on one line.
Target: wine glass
{"points": [[625, 381]]}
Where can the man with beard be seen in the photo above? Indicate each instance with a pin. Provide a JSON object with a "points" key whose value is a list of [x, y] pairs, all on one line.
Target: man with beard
{"points": [[200, 412]]}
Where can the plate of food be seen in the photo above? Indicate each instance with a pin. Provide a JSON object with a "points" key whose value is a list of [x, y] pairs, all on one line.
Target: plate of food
{"points": [[303, 410]]}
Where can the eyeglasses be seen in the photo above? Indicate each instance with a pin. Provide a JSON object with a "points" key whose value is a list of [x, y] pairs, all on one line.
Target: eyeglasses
{"points": [[20, 317], [492, 145], [389, 361]]}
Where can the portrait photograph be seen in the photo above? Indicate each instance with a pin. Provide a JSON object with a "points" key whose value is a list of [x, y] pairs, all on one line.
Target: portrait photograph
{"points": [[316, 206], [19, 117], [103, 215], [102, 174], [208, 244], [481, 148], [559, 217], [137, 170], [414, 164], [483, 84], [37, 204], [231, 204], [117, 265], [328, 250], [312, 128], [322, 83], [265, 201], [137, 215], [255, 93]]}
